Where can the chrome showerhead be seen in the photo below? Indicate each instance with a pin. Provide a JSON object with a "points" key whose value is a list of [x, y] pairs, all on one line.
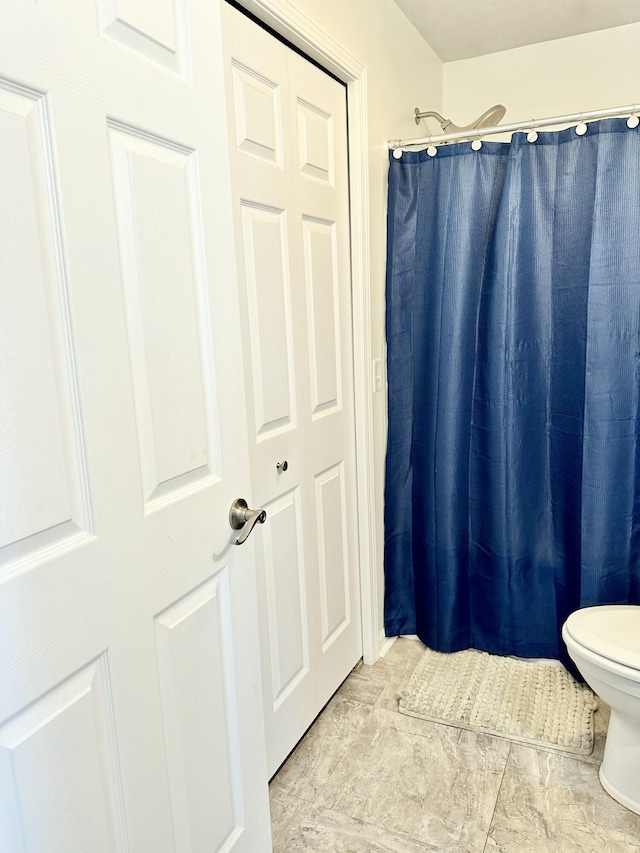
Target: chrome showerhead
{"points": [[492, 117]]}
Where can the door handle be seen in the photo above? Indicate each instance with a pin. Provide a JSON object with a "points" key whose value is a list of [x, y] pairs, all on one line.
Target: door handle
{"points": [[245, 519]]}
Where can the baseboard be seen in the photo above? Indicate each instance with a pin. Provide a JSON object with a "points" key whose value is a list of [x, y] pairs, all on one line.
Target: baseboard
{"points": [[385, 644]]}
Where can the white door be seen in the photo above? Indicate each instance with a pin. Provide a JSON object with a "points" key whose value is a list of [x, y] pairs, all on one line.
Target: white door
{"points": [[288, 148], [130, 717]]}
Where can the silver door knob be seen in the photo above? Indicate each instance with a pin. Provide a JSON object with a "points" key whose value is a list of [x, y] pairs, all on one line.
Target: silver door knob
{"points": [[282, 466], [245, 519]]}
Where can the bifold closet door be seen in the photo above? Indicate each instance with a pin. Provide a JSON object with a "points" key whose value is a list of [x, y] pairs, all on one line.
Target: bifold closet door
{"points": [[288, 149]]}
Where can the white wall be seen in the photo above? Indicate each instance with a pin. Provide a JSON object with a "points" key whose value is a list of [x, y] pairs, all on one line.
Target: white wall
{"points": [[570, 75], [402, 72]]}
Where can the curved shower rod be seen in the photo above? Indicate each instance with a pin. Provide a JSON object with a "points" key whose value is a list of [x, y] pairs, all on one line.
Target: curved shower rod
{"points": [[481, 131]]}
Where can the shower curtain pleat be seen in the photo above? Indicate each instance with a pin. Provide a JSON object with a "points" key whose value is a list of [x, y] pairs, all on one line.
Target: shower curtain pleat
{"points": [[513, 306]]}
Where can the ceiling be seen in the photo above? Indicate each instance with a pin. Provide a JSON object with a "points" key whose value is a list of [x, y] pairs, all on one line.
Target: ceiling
{"points": [[460, 29]]}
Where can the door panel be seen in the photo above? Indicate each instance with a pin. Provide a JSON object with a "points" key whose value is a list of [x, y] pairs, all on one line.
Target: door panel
{"points": [[315, 142], [323, 314], [264, 232], [285, 596], [157, 31], [41, 437], [71, 727], [198, 707], [129, 667], [333, 556], [290, 186], [258, 114], [156, 188]]}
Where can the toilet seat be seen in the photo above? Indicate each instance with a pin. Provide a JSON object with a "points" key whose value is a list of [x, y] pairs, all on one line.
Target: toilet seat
{"points": [[610, 630]]}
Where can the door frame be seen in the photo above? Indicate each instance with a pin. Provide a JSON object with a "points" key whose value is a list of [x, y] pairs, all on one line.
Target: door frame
{"points": [[286, 20]]}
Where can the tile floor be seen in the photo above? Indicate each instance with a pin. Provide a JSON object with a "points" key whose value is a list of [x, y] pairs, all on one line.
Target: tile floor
{"points": [[367, 779]]}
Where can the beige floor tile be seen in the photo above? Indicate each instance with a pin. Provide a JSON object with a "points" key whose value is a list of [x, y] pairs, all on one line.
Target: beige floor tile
{"points": [[367, 779], [396, 667], [361, 689], [394, 671], [434, 783], [309, 766], [298, 826], [550, 803]]}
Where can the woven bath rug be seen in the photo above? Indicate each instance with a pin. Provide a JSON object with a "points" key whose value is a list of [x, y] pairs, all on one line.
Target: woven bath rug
{"points": [[525, 701]]}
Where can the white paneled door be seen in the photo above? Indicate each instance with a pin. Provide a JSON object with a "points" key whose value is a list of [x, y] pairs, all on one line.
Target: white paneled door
{"points": [[288, 149], [130, 714]]}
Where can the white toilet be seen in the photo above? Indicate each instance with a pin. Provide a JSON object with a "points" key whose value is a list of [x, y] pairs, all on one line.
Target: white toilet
{"points": [[604, 643]]}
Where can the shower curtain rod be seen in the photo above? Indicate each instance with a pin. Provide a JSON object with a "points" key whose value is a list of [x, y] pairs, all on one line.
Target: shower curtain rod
{"points": [[612, 112]]}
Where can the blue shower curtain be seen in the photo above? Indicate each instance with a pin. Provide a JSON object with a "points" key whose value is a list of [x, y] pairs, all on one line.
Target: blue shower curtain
{"points": [[512, 492]]}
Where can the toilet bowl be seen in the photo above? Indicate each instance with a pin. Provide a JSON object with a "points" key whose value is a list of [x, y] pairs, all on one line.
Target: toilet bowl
{"points": [[604, 643]]}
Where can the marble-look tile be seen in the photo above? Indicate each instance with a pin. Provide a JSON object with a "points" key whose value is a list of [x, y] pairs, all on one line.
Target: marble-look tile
{"points": [[397, 666], [434, 783], [388, 700], [367, 779], [394, 671], [361, 689], [312, 761], [296, 825], [550, 803]]}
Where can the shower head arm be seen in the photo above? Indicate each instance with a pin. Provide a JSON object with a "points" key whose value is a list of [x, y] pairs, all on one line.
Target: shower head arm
{"points": [[443, 122]]}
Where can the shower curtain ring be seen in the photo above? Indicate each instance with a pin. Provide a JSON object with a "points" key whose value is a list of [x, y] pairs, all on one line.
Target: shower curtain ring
{"points": [[532, 136], [633, 120], [581, 127]]}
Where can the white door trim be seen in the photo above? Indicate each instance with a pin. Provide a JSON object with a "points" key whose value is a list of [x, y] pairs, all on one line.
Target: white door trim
{"points": [[285, 19]]}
